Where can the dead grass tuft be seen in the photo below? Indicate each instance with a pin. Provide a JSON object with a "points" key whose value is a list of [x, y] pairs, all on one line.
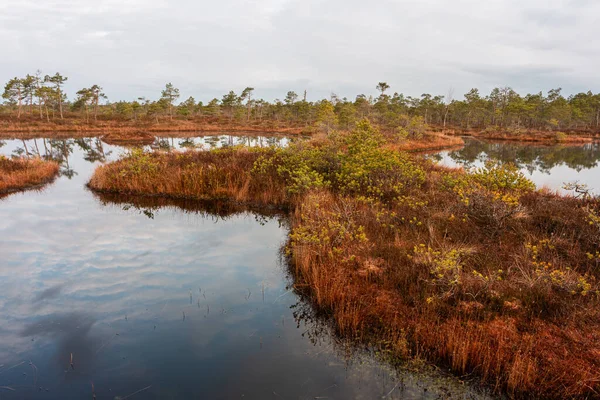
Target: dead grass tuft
{"points": [[22, 173]]}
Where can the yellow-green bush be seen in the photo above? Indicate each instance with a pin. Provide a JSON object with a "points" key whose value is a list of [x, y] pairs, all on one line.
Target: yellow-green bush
{"points": [[354, 164]]}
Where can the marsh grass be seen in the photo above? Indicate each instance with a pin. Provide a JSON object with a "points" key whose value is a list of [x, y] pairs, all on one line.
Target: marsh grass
{"points": [[22, 173], [447, 290], [219, 174], [495, 133], [29, 126], [430, 141], [475, 270]]}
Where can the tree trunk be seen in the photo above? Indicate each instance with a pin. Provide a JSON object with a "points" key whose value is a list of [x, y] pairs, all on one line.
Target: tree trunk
{"points": [[40, 101], [25, 146], [60, 103], [445, 116], [96, 108], [36, 147], [19, 105]]}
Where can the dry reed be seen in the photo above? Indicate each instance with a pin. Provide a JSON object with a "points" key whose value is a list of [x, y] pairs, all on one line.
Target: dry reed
{"points": [[497, 287], [21, 173]]}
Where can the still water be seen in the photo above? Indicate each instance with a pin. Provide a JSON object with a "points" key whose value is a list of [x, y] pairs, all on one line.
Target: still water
{"points": [[104, 298], [546, 166]]}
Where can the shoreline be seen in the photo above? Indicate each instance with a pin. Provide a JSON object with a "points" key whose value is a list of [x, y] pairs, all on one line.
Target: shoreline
{"points": [[430, 142], [97, 128], [539, 137]]}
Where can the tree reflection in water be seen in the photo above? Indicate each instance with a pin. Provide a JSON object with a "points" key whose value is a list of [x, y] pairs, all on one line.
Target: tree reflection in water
{"points": [[527, 156]]}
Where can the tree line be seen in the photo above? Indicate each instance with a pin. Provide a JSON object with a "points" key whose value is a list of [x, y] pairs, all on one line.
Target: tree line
{"points": [[502, 109]]}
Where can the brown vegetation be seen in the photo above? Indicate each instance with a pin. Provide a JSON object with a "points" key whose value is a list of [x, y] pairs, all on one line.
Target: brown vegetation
{"points": [[458, 290], [429, 141], [128, 138], [476, 271], [20, 174], [549, 137], [74, 126], [218, 174]]}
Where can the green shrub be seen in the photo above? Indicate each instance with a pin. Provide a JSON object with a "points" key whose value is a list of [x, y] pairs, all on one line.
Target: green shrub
{"points": [[416, 127], [354, 164], [491, 194], [445, 270], [367, 169], [491, 129], [301, 166], [501, 178], [141, 162], [401, 134], [560, 136], [378, 173]]}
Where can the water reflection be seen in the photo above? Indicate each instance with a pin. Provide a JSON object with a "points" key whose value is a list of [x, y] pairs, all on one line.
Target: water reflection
{"points": [[174, 299], [94, 150], [546, 165], [212, 142], [60, 150]]}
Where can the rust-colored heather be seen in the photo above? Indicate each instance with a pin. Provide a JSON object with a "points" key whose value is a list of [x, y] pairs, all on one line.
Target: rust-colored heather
{"points": [[211, 175], [74, 126], [430, 141], [21, 173], [477, 271], [128, 138], [537, 136], [515, 330]]}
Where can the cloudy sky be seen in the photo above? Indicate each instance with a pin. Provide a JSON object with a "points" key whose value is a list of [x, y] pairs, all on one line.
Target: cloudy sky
{"points": [[133, 47]]}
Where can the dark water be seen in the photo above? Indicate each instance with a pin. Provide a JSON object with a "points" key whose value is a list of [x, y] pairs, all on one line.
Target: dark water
{"points": [[546, 166], [103, 297]]}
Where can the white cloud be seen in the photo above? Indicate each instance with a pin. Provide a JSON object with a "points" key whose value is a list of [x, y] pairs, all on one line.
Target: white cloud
{"points": [[132, 48]]}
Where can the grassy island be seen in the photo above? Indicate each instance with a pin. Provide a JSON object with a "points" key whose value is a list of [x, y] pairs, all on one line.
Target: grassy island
{"points": [[474, 270], [21, 173]]}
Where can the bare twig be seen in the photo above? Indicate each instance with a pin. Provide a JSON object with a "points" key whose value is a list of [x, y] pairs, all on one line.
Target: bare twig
{"points": [[14, 366], [134, 393]]}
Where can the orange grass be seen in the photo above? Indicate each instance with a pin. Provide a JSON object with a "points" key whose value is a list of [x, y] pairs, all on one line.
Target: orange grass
{"points": [[526, 322], [75, 126], [219, 174], [522, 340], [128, 138], [537, 136], [22, 173], [430, 141]]}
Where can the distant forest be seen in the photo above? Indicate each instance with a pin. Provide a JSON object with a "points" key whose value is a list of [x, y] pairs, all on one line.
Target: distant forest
{"points": [[43, 97]]}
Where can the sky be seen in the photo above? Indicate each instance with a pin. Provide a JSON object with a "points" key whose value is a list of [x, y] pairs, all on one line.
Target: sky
{"points": [[132, 48]]}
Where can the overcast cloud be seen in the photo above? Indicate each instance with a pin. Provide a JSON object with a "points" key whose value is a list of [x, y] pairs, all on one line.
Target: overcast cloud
{"points": [[133, 47]]}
